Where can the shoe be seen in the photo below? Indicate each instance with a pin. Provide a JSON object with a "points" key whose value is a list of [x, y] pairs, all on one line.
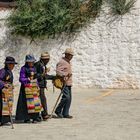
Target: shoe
{"points": [[59, 115], [1, 124], [35, 121], [27, 121], [38, 119], [45, 117], [68, 117]]}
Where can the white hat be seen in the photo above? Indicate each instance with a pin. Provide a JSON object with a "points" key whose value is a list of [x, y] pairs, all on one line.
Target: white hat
{"points": [[69, 51], [45, 55]]}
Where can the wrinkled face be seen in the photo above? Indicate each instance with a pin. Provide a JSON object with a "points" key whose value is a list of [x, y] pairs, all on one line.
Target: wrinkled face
{"points": [[10, 66], [68, 56], [30, 64], [45, 61]]}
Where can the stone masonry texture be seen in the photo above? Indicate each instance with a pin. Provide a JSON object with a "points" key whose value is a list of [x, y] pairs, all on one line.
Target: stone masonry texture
{"points": [[107, 51]]}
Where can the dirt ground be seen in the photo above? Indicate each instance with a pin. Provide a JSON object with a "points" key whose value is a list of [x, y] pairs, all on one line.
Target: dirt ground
{"points": [[99, 114]]}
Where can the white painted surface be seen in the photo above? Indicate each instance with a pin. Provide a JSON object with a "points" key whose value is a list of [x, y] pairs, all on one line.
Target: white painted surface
{"points": [[107, 54], [137, 4]]}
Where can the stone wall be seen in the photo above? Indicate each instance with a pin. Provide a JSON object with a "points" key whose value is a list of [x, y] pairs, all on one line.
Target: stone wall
{"points": [[107, 52]]}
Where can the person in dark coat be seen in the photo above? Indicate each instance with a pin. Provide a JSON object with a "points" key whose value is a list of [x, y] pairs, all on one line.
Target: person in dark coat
{"points": [[42, 74], [22, 111], [6, 79]]}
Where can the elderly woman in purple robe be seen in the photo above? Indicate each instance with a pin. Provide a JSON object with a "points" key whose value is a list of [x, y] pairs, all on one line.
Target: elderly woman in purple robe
{"points": [[22, 111], [6, 78]]}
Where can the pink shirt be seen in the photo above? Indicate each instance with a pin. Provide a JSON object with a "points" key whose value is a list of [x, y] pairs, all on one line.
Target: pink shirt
{"points": [[63, 68]]}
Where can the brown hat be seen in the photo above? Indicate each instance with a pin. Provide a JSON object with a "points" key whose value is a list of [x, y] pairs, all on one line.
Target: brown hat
{"points": [[45, 55], [69, 51]]}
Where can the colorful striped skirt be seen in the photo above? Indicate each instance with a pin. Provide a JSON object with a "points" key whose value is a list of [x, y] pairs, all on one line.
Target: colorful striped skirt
{"points": [[33, 99], [7, 101]]}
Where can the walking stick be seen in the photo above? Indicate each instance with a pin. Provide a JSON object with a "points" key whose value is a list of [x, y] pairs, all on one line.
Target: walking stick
{"points": [[57, 101], [10, 113], [59, 97]]}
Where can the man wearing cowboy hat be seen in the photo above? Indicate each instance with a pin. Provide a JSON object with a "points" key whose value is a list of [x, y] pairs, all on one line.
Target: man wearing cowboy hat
{"points": [[63, 69], [42, 81], [6, 79]]}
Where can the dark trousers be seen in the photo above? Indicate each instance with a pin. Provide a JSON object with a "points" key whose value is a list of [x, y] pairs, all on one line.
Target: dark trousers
{"points": [[64, 105], [43, 102]]}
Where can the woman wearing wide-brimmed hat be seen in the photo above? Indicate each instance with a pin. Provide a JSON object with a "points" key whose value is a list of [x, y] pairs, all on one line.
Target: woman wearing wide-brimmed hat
{"points": [[29, 105], [6, 81]]}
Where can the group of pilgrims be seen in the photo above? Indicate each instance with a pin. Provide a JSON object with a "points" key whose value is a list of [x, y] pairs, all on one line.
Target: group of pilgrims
{"points": [[32, 102]]}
